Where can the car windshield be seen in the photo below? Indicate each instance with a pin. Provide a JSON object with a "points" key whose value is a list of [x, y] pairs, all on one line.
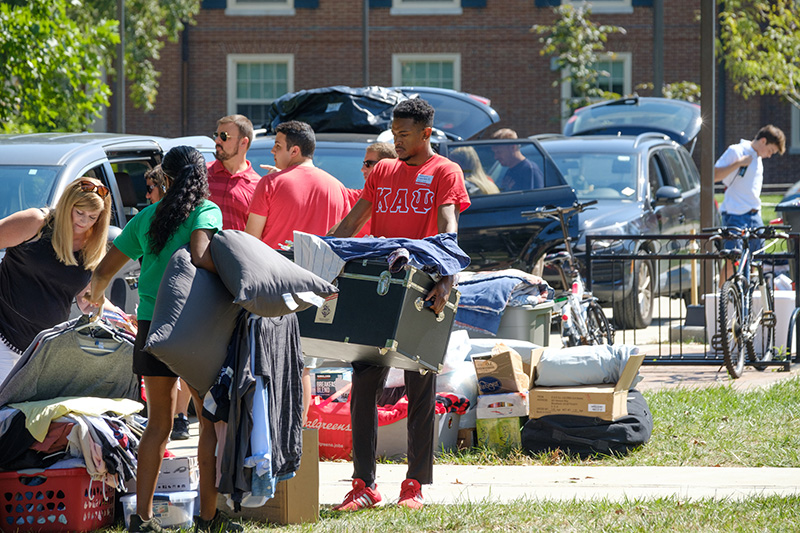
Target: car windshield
{"points": [[598, 176], [25, 186]]}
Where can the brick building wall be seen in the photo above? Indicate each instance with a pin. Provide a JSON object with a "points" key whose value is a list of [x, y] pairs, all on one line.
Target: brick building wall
{"points": [[500, 59]]}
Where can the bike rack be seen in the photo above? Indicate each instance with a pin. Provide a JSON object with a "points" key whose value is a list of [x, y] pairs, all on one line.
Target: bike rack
{"points": [[609, 276]]}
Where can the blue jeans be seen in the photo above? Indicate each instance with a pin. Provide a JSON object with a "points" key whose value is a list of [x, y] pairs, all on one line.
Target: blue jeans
{"points": [[746, 220]]}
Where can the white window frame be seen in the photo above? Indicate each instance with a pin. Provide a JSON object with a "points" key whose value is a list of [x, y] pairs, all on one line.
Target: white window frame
{"points": [[250, 8], [428, 7], [794, 136], [627, 84], [399, 59], [235, 59], [605, 6]]}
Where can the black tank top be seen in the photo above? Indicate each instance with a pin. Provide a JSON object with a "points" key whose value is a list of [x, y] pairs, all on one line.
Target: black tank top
{"points": [[36, 289]]}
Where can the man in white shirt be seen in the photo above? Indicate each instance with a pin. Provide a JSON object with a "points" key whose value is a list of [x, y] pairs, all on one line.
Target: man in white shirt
{"points": [[740, 169]]}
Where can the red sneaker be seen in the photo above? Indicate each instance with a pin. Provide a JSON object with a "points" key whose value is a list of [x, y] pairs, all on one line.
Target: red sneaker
{"points": [[411, 495], [361, 497]]}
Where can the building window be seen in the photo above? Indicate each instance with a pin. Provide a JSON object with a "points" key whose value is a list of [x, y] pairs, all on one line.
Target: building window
{"points": [[794, 141], [426, 7], [604, 6], [255, 80], [428, 70], [616, 78], [260, 7]]}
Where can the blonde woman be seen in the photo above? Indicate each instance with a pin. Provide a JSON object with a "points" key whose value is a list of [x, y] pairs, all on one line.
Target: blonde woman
{"points": [[50, 256], [475, 179]]}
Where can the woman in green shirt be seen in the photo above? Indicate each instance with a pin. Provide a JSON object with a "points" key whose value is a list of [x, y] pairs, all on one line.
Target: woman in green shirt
{"points": [[183, 216]]}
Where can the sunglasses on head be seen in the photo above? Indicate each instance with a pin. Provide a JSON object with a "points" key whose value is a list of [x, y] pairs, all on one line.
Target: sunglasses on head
{"points": [[88, 186], [369, 163], [224, 135]]}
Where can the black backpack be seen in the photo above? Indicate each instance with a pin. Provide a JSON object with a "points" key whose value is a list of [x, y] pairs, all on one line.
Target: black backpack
{"points": [[587, 435]]}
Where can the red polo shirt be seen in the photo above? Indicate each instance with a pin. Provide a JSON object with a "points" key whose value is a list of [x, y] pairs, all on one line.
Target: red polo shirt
{"points": [[232, 193]]}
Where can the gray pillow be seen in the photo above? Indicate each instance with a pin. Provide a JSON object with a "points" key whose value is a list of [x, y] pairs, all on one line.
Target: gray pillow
{"points": [[259, 277], [193, 321]]}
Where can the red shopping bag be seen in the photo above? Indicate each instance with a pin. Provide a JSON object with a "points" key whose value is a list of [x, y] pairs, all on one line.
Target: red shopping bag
{"points": [[332, 420]]}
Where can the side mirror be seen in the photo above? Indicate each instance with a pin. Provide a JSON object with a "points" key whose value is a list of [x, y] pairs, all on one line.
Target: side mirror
{"points": [[667, 195]]}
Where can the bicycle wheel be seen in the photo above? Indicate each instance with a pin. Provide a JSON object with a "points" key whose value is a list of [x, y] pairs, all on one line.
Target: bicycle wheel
{"points": [[730, 328], [761, 347], [600, 331]]}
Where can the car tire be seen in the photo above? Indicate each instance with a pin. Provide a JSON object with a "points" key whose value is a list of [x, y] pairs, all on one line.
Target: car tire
{"points": [[636, 310]]}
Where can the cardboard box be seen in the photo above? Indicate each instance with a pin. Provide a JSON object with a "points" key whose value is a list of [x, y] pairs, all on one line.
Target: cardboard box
{"points": [[500, 372], [326, 383], [500, 434], [178, 474], [503, 405], [296, 500], [605, 401]]}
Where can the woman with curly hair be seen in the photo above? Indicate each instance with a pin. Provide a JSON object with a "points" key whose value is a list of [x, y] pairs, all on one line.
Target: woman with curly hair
{"points": [[50, 255], [183, 216]]}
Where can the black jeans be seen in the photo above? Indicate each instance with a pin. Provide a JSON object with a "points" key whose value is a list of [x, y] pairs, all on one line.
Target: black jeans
{"points": [[368, 381]]}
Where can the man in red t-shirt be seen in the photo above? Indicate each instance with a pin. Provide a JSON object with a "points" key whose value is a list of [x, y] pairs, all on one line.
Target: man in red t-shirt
{"points": [[231, 178], [300, 196], [296, 195], [416, 196]]}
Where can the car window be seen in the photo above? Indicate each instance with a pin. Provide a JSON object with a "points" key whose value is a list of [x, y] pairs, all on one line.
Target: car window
{"points": [[25, 186], [654, 176], [692, 175], [342, 161], [599, 176], [134, 192], [675, 173], [495, 167]]}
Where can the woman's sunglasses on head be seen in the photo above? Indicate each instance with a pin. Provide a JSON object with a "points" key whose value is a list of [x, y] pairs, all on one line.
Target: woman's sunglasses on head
{"points": [[88, 186]]}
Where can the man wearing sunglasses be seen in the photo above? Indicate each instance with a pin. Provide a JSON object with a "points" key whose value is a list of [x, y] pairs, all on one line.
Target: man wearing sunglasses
{"points": [[374, 153], [231, 178]]}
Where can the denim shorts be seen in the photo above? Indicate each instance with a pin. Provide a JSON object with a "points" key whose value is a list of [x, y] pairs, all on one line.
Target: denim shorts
{"points": [[746, 220]]}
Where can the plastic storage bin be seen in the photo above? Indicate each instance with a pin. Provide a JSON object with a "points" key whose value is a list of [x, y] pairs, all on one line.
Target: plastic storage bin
{"points": [[393, 439], [173, 509], [54, 500], [525, 323]]}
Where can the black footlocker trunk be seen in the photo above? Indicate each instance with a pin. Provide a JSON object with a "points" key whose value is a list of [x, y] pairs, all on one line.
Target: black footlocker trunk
{"points": [[379, 317]]}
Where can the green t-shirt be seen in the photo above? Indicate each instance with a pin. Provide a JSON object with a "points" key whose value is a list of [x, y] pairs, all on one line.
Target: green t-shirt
{"points": [[134, 243]]}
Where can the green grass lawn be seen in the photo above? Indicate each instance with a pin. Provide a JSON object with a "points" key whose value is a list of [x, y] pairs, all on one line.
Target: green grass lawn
{"points": [[717, 426]]}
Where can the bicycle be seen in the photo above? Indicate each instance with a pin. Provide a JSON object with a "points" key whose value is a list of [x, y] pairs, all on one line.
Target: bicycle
{"points": [[582, 320], [739, 323]]}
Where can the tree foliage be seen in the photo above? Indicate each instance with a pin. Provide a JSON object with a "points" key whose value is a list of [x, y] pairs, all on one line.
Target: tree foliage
{"points": [[55, 55], [148, 25], [759, 45], [51, 74], [575, 42]]}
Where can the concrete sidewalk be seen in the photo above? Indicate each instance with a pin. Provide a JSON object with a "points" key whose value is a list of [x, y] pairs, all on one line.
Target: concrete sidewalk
{"points": [[456, 483]]}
